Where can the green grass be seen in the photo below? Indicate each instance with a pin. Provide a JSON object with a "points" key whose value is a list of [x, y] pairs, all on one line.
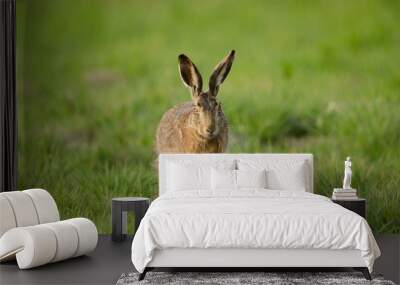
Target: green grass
{"points": [[95, 78]]}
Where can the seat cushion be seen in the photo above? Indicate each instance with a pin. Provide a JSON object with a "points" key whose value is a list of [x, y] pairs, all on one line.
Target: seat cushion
{"points": [[87, 233], [40, 244], [32, 246], [67, 240]]}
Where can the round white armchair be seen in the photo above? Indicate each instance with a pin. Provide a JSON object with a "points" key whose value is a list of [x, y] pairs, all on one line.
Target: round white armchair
{"points": [[31, 230]]}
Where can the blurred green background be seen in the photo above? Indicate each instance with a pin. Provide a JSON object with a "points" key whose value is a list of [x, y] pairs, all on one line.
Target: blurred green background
{"points": [[95, 77]]}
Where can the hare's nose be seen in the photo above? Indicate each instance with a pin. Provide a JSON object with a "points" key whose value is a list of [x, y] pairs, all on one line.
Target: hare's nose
{"points": [[210, 130]]}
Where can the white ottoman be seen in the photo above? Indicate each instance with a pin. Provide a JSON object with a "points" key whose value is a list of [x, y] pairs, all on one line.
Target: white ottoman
{"points": [[31, 232]]}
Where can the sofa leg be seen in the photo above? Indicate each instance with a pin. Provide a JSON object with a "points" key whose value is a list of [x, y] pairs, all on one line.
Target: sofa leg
{"points": [[364, 271], [143, 274]]}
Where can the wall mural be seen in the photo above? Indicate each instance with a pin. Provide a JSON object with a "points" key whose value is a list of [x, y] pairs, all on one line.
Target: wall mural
{"points": [[96, 86]]}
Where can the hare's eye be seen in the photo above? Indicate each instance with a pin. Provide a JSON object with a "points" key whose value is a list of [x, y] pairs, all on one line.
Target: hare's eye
{"points": [[198, 105]]}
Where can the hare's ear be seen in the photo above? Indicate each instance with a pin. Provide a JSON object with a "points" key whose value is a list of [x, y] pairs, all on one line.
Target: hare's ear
{"points": [[190, 74], [220, 72]]}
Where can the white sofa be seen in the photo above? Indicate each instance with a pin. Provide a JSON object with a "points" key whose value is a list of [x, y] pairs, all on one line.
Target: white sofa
{"points": [[31, 231]]}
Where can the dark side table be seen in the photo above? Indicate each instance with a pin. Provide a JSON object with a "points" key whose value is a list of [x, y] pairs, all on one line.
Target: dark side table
{"points": [[120, 207], [357, 205]]}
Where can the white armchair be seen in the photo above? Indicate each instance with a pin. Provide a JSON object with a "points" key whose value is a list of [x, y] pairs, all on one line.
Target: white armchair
{"points": [[31, 230]]}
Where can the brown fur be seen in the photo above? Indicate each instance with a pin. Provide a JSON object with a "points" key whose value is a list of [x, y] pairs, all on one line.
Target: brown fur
{"points": [[176, 135], [197, 126]]}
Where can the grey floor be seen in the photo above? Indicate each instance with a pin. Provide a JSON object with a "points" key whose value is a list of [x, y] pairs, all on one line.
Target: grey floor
{"points": [[110, 260], [102, 266]]}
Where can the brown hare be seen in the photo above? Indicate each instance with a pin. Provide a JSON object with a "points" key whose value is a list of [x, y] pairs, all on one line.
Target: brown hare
{"points": [[197, 126]]}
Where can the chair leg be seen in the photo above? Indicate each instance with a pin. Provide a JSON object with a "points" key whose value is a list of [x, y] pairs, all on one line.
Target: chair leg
{"points": [[364, 271], [143, 274]]}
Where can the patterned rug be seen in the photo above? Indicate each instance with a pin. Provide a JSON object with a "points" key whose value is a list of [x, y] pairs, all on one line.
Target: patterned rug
{"points": [[233, 278]]}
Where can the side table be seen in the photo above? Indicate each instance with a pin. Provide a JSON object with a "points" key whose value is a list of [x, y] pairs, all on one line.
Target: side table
{"points": [[357, 205], [119, 208]]}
